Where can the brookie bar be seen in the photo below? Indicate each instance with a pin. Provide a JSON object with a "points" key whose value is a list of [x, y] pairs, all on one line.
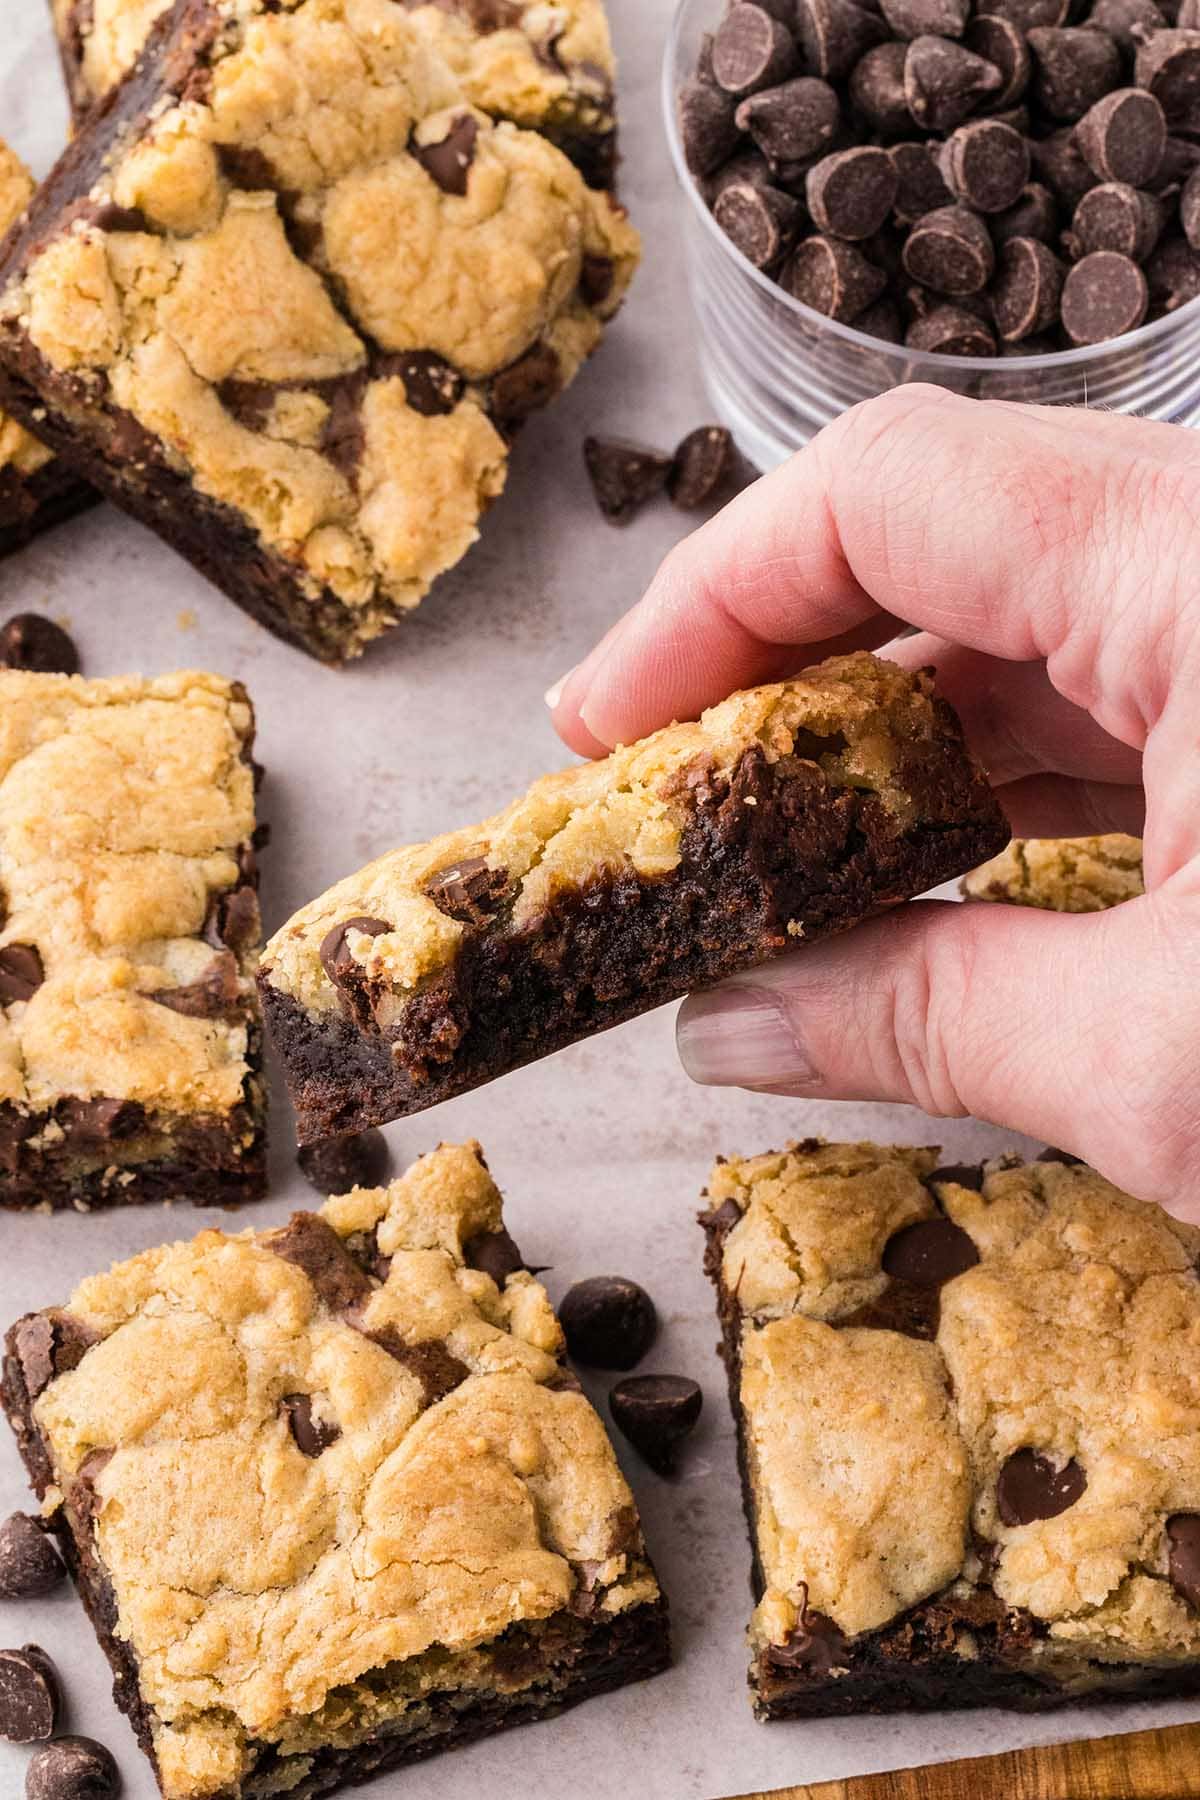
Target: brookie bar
{"points": [[968, 1412], [786, 813], [129, 928], [332, 1498]]}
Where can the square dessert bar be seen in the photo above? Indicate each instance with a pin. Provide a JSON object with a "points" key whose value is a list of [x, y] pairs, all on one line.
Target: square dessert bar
{"points": [[288, 295], [130, 1038], [1087, 874], [968, 1411], [784, 814], [331, 1496]]}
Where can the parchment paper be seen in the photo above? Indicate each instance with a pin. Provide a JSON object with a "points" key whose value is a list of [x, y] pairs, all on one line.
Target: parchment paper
{"points": [[603, 1149]]}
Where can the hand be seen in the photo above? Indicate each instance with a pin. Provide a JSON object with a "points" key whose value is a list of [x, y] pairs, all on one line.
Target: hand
{"points": [[1051, 561]]}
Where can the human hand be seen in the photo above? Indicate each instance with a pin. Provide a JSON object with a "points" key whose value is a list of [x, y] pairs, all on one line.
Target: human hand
{"points": [[1051, 561]]}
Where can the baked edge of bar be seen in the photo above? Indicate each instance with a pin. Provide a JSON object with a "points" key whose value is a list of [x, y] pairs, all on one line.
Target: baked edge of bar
{"points": [[56, 494]]}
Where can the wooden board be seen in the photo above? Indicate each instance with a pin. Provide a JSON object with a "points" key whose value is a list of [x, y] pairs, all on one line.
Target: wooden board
{"points": [[1146, 1765]]}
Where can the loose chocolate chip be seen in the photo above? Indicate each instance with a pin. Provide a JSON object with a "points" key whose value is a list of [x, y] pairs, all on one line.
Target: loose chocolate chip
{"points": [[1168, 65], [72, 1768], [881, 321], [1123, 136], [706, 126], [1180, 159], [1104, 295], [1173, 275], [31, 642], [1073, 68], [312, 1435], [945, 82], [930, 1253], [1059, 165], [985, 165], [29, 1563], [967, 1175], [596, 277], [851, 193], [834, 34], [1026, 14], [468, 890], [317, 1251], [760, 221], [832, 277], [1002, 44], [1035, 215], [432, 386], [793, 122], [751, 50], [926, 18], [495, 1254], [1127, 22], [877, 89], [656, 1413], [1029, 1487], [1027, 288], [609, 1322], [920, 188], [21, 973], [951, 331], [336, 959], [352, 1159], [623, 475], [525, 386], [216, 991], [1189, 209], [1115, 217], [704, 464], [1183, 1556], [29, 1695], [449, 162], [950, 251]]}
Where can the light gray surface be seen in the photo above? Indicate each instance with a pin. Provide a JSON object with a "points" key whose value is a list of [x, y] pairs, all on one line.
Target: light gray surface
{"points": [[601, 1151]]}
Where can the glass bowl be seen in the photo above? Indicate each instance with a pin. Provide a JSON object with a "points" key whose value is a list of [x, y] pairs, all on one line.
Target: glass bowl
{"points": [[776, 371]]}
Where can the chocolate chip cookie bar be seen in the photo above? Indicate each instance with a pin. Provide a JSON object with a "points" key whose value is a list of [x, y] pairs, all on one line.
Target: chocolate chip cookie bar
{"points": [[36, 488], [786, 813], [289, 294], [1074, 875], [968, 1411], [333, 1499], [129, 928]]}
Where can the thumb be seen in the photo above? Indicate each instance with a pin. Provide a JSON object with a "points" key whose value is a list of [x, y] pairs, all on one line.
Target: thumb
{"points": [[1068, 1029]]}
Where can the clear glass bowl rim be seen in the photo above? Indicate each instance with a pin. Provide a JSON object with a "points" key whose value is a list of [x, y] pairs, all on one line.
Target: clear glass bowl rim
{"points": [[911, 361]]}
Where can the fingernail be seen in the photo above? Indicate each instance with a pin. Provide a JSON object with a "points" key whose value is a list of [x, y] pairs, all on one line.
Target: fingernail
{"points": [[554, 694], [741, 1037]]}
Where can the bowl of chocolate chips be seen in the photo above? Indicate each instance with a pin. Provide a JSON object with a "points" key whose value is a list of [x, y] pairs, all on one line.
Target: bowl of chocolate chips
{"points": [[1000, 196]]}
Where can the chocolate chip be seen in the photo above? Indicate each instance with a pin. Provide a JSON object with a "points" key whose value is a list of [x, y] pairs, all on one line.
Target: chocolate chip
{"points": [[1051, 1154], [92, 1124], [656, 1413], [525, 386], [706, 126], [494, 1253], [751, 50], [234, 919], [878, 92], [468, 890], [760, 221], [926, 18], [438, 1371], [312, 1435], [449, 162], [1127, 22], [352, 1159], [1104, 295], [832, 277], [72, 1768], [1123, 136], [1173, 275], [814, 1643], [726, 1216], [21, 973], [1027, 289], [920, 188], [985, 165], [1073, 68], [31, 642], [930, 1253], [1025, 14], [1029, 1487], [315, 1248], [1180, 159], [967, 1175], [950, 251], [623, 475], [834, 34], [705, 464], [1002, 44], [1058, 163], [597, 275], [1115, 217], [1183, 1556], [951, 331], [945, 82], [1168, 65], [216, 991], [609, 1322], [1189, 209], [432, 386], [336, 959], [851, 193], [793, 122], [29, 1563], [1035, 215], [881, 321], [49, 1344], [29, 1695]]}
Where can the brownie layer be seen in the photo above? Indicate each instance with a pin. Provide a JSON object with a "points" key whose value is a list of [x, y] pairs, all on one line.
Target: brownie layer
{"points": [[30, 504]]}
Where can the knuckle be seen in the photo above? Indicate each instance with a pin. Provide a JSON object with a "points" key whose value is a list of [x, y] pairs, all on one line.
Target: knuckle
{"points": [[924, 1030]]}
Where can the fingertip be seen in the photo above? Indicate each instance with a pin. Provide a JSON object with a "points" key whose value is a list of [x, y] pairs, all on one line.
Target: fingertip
{"points": [[565, 700]]}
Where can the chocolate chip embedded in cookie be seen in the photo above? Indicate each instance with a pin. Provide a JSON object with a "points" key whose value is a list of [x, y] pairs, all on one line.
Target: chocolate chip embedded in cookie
{"points": [[1030, 1486]]}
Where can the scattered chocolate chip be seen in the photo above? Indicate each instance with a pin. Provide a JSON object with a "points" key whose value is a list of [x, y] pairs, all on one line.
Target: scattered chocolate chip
{"points": [[525, 386], [945, 82], [1026, 292], [317, 1251], [832, 277], [1173, 275], [1058, 163], [494, 1253], [985, 165], [1183, 1556], [448, 163], [877, 89], [920, 188], [926, 18], [29, 1695], [950, 251], [1029, 1487], [216, 991], [623, 475], [999, 42], [760, 221], [336, 959], [851, 193], [1127, 22], [1168, 66], [834, 34], [656, 1413], [1026, 14], [29, 1563], [706, 126], [1072, 68], [881, 321], [312, 1435], [28, 641], [1115, 217], [21, 973], [704, 465], [951, 331], [596, 277], [352, 1159], [1035, 215], [468, 890], [1123, 136], [72, 1768], [930, 1253], [793, 122], [1103, 295], [1189, 209], [609, 1322], [751, 50]]}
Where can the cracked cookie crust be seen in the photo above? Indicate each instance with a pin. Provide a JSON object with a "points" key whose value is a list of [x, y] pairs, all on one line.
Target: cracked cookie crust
{"points": [[1076, 875], [784, 814], [968, 1412], [130, 1037], [333, 1500], [288, 296]]}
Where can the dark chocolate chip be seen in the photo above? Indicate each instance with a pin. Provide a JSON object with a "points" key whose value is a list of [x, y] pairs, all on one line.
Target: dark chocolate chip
{"points": [[1168, 65], [312, 1435], [234, 919], [623, 475], [90, 1125], [1051, 1154], [495, 1254], [1058, 163], [1026, 14], [1189, 209], [29, 1563], [468, 890], [1029, 1487], [609, 1322], [793, 122], [834, 34], [814, 1643], [1035, 215], [930, 1253], [760, 221], [1115, 217], [28, 641], [951, 331], [29, 1695], [704, 465], [656, 1413], [317, 1251], [751, 50], [950, 251], [726, 1216], [1123, 136], [1173, 275], [926, 18], [985, 165], [1183, 1556], [596, 277], [1127, 22], [432, 386], [525, 386], [877, 90], [449, 162], [21, 973], [920, 188], [215, 992], [1027, 289], [1002, 44], [832, 277], [1104, 295], [438, 1371], [249, 402], [881, 321], [967, 1175], [1073, 67], [851, 193], [72, 1768], [336, 959], [945, 82], [81, 1487], [706, 126], [352, 1159], [49, 1344]]}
